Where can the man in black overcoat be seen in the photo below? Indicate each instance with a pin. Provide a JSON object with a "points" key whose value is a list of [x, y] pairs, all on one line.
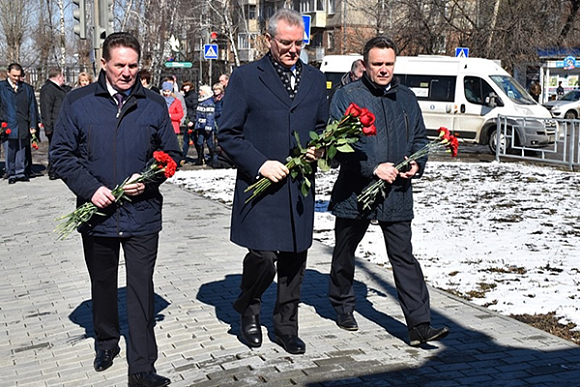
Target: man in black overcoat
{"points": [[266, 102]]}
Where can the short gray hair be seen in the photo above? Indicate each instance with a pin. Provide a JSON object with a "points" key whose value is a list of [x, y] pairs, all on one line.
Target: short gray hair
{"points": [[290, 16]]}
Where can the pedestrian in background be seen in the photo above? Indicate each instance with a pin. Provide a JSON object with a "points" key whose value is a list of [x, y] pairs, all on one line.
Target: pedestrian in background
{"points": [[145, 76], [173, 106], [190, 96], [19, 113], [205, 124], [99, 141], [51, 96], [265, 103], [218, 96], [400, 133], [84, 79]]}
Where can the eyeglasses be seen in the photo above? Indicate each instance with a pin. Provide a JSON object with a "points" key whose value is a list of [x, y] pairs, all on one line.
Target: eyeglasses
{"points": [[289, 43]]}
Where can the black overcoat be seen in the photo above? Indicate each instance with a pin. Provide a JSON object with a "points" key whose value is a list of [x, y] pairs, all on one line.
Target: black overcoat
{"points": [[257, 124]]}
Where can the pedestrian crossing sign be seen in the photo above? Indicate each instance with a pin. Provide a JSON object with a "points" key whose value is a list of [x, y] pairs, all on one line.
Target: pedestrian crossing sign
{"points": [[461, 52], [210, 51]]}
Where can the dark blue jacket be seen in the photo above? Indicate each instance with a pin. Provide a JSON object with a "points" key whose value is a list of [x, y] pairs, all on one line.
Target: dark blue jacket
{"points": [[205, 115], [400, 132], [256, 125], [19, 110], [94, 145]]}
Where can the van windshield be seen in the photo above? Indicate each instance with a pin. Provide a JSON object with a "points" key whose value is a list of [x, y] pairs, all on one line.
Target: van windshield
{"points": [[513, 89]]}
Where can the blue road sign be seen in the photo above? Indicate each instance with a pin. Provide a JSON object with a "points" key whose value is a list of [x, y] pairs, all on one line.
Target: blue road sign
{"points": [[461, 52], [306, 19], [210, 51]]}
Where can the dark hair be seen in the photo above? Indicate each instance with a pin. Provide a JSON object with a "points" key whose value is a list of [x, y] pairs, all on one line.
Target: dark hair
{"points": [[379, 42], [15, 66], [120, 39], [146, 75], [53, 73]]}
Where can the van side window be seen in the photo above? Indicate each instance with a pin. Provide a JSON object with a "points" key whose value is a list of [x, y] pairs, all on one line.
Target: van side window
{"points": [[476, 89], [430, 87]]}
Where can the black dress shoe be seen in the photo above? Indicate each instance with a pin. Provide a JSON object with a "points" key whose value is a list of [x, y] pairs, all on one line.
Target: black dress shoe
{"points": [[347, 321], [423, 333], [252, 330], [11, 180], [148, 379], [23, 178], [104, 358], [292, 344]]}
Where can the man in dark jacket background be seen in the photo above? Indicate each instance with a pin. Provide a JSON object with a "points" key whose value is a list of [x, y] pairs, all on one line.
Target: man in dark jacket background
{"points": [[266, 101], [400, 133], [51, 96], [106, 132], [19, 113]]}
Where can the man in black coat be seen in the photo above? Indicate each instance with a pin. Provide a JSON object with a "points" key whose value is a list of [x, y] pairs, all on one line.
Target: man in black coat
{"points": [[400, 133], [266, 102], [52, 94]]}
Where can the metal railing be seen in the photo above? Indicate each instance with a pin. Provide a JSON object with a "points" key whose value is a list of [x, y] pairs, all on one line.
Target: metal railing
{"points": [[562, 135]]}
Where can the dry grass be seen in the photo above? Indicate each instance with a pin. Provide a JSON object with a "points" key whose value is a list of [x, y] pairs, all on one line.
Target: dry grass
{"points": [[549, 323]]}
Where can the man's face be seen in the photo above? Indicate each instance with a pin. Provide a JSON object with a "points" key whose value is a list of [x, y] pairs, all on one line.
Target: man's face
{"points": [[121, 70], [60, 79], [14, 75], [223, 80], [380, 65], [287, 44]]}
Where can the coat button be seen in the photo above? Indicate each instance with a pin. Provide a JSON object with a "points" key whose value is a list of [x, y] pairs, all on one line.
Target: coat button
{"points": [[121, 233]]}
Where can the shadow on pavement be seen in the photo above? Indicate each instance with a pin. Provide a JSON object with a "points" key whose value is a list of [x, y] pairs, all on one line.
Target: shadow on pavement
{"points": [[82, 315]]}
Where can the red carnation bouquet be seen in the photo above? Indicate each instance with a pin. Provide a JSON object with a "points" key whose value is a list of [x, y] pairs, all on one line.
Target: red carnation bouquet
{"points": [[162, 163], [337, 137], [4, 129], [445, 141]]}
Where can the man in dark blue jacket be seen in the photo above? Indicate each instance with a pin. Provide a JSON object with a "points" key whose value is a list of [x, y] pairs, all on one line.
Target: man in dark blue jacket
{"points": [[265, 103], [106, 132], [400, 133], [19, 113]]}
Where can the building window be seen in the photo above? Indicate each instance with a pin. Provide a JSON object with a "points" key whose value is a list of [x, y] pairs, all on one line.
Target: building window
{"points": [[251, 12], [331, 6], [312, 5], [244, 41], [331, 43]]}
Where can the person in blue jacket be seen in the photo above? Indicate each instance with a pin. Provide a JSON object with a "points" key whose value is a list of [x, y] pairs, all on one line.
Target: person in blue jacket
{"points": [[19, 114], [107, 132], [400, 133], [265, 103]]}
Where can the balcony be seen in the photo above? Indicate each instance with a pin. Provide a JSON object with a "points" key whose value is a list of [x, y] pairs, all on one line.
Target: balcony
{"points": [[248, 2], [317, 19]]}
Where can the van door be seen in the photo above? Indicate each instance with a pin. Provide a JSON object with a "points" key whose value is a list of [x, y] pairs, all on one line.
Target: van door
{"points": [[472, 112], [436, 94]]}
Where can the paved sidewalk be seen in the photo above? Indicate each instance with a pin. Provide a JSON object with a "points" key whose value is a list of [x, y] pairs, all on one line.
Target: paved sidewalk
{"points": [[46, 335]]}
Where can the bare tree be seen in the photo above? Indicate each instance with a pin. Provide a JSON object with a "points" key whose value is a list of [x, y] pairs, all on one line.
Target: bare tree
{"points": [[14, 20]]}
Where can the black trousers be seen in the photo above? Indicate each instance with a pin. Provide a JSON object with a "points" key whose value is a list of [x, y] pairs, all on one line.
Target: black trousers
{"points": [[259, 272], [102, 258], [409, 280]]}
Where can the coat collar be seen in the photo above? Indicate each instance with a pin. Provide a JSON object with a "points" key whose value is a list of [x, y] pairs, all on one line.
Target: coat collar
{"points": [[379, 91], [271, 80], [137, 91]]}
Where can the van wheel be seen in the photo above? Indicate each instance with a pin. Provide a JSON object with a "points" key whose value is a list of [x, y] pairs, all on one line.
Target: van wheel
{"points": [[570, 115], [503, 141]]}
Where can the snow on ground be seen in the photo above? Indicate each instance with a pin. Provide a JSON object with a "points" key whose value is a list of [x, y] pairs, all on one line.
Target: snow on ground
{"points": [[507, 235]]}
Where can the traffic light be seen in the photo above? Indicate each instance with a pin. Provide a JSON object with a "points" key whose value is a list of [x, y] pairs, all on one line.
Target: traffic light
{"points": [[106, 16], [79, 14], [99, 36], [213, 36]]}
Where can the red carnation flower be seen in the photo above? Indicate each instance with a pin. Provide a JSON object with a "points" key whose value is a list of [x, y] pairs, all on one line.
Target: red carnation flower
{"points": [[370, 130], [4, 124], [8, 131], [367, 118], [353, 110]]}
